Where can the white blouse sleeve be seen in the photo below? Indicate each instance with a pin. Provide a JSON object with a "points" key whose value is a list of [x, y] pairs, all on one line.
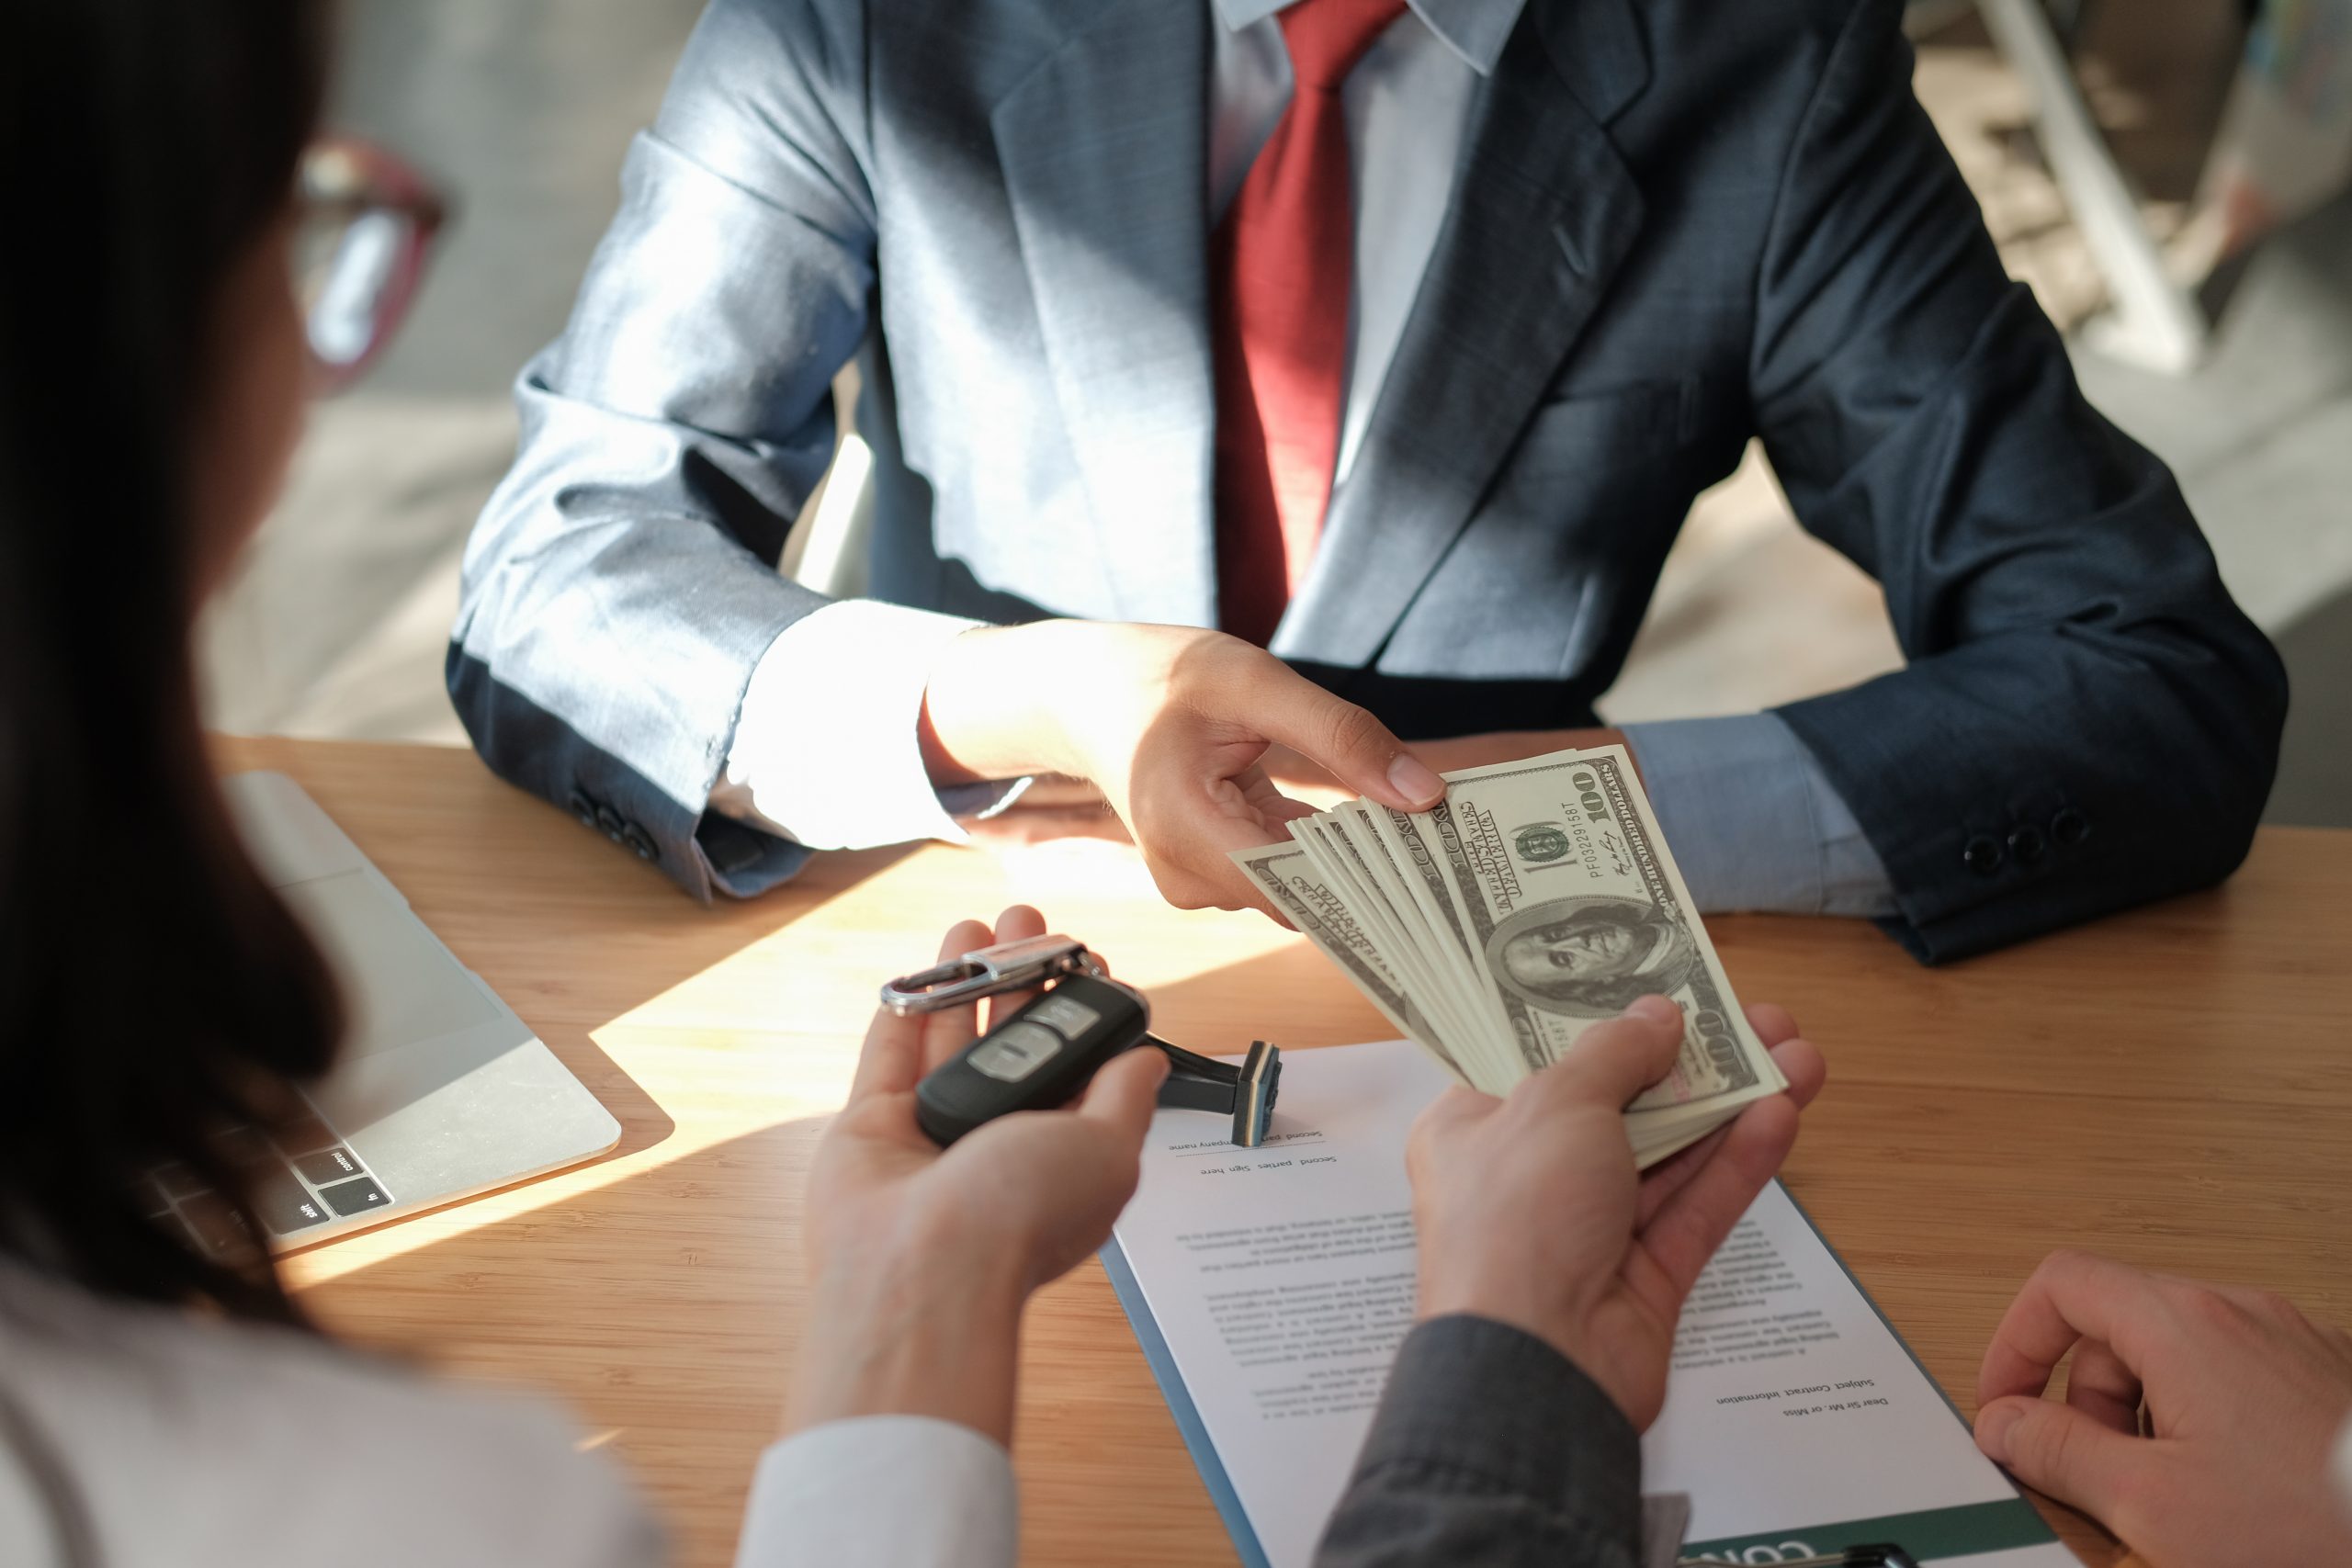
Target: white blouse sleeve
{"points": [[884, 1491]]}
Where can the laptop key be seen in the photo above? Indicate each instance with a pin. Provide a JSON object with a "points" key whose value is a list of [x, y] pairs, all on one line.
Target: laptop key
{"points": [[284, 1206], [152, 1201], [217, 1226], [337, 1164], [302, 1135], [243, 1148], [349, 1198], [178, 1179]]}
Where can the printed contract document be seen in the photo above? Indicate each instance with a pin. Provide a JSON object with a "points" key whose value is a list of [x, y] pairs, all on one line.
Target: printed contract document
{"points": [[1271, 1286]]}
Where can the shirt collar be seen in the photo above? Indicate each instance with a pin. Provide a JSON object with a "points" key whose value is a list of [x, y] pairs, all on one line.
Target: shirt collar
{"points": [[1475, 29]]}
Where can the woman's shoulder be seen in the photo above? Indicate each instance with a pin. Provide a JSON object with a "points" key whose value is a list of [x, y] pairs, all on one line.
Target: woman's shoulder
{"points": [[174, 1439]]}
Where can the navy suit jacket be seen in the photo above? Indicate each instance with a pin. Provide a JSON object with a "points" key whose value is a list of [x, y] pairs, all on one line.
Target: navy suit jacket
{"points": [[1679, 224]]}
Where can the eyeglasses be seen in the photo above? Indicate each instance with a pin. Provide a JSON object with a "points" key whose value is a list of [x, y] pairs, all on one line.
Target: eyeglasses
{"points": [[368, 225]]}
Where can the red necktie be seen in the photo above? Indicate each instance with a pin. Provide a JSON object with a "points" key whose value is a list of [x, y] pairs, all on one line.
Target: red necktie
{"points": [[1283, 259]]}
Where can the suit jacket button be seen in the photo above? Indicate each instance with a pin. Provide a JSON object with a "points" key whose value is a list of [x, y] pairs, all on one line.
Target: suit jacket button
{"points": [[2026, 845], [1982, 856], [609, 820], [636, 838], [2070, 827], [584, 808]]}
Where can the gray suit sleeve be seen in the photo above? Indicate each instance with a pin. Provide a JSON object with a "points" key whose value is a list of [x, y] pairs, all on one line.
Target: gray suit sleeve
{"points": [[2087, 721], [1491, 1447], [621, 586]]}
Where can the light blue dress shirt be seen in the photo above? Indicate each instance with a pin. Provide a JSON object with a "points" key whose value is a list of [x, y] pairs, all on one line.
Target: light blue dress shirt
{"points": [[1753, 822]]}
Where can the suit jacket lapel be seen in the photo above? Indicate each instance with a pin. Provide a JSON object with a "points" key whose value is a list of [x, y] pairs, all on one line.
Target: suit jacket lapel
{"points": [[1543, 212], [1103, 148]]}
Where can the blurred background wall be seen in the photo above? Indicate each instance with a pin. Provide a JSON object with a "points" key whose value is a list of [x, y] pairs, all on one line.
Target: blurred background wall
{"points": [[523, 109]]}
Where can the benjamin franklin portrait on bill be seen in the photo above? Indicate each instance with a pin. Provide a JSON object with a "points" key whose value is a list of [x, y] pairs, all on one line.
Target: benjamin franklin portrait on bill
{"points": [[1590, 956]]}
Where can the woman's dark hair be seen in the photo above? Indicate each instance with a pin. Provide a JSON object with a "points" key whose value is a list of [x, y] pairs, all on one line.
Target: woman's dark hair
{"points": [[153, 990]]}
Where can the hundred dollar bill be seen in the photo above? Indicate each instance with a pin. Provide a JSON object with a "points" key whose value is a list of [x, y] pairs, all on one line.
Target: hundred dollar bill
{"points": [[1347, 841], [1300, 890], [1420, 880], [1371, 923], [1573, 907]]}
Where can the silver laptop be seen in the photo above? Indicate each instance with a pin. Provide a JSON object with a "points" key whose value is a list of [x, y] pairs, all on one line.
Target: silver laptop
{"points": [[440, 1091]]}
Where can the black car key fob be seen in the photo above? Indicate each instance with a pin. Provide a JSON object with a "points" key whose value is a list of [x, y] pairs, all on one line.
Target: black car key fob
{"points": [[1041, 1057]]}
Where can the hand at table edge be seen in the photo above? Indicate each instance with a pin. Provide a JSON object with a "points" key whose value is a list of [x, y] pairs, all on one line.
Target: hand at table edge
{"points": [[2199, 1420]]}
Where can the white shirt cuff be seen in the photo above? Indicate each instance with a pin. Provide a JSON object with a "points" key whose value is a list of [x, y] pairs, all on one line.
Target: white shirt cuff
{"points": [[885, 1491], [827, 751], [1753, 821]]}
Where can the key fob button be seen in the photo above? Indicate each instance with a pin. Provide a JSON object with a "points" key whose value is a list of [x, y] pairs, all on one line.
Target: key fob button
{"points": [[1063, 1012], [1013, 1053]]}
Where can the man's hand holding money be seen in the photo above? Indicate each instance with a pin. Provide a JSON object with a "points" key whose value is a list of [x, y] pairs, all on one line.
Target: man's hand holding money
{"points": [[1172, 724]]}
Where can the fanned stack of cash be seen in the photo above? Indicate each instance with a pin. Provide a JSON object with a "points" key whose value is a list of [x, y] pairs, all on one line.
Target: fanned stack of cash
{"points": [[1536, 900]]}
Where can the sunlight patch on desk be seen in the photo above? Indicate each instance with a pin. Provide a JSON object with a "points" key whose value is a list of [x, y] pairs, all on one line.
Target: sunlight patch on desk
{"points": [[745, 1084], [808, 988]]}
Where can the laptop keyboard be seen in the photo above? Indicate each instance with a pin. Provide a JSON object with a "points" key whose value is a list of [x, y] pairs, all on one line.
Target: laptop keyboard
{"points": [[303, 1175]]}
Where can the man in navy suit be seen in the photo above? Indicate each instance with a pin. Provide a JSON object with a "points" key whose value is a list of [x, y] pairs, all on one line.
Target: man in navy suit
{"points": [[1242, 372]]}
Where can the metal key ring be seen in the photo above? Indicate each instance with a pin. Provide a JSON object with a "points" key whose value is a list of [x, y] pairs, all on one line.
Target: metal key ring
{"points": [[988, 972]]}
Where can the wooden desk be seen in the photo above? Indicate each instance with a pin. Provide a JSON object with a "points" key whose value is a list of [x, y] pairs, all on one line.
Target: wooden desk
{"points": [[2173, 1087]]}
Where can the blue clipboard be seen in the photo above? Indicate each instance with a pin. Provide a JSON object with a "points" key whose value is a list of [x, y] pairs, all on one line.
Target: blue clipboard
{"points": [[1978, 1527], [1180, 1406]]}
